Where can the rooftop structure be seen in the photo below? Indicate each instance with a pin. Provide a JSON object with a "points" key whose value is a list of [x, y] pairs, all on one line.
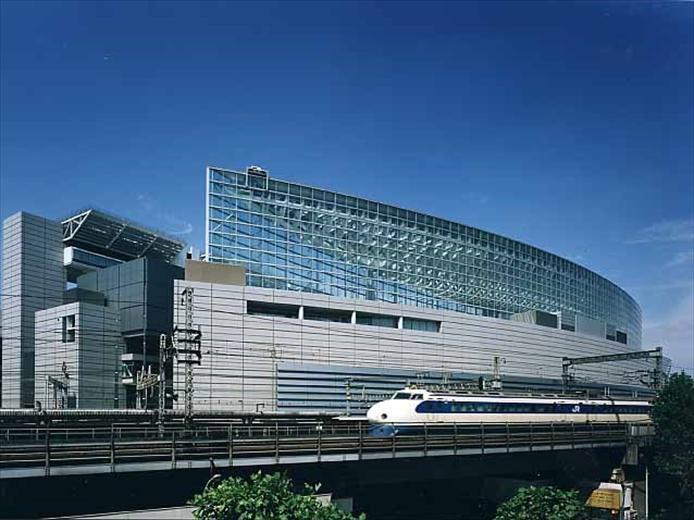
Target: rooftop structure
{"points": [[112, 236]]}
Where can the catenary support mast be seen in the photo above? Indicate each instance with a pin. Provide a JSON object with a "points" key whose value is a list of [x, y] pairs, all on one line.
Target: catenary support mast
{"points": [[656, 374]]}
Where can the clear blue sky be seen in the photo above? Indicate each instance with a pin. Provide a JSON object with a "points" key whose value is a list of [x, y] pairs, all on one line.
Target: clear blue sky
{"points": [[565, 125]]}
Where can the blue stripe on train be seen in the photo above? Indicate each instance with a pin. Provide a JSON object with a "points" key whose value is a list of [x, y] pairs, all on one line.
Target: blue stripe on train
{"points": [[533, 408]]}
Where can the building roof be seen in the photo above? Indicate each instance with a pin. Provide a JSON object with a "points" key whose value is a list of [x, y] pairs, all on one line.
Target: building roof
{"points": [[116, 237]]}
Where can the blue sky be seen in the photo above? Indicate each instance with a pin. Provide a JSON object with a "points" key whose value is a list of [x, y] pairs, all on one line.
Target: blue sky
{"points": [[565, 125]]}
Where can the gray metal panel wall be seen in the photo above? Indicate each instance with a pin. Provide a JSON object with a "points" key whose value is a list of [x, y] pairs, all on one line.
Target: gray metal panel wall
{"points": [[241, 352], [305, 386], [92, 360], [33, 278], [141, 289]]}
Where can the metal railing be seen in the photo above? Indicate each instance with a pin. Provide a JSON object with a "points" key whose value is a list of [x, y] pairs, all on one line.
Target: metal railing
{"points": [[47, 449]]}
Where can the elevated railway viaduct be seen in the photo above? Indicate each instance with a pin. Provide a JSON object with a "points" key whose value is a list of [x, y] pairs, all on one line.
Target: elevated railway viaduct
{"points": [[88, 462]]}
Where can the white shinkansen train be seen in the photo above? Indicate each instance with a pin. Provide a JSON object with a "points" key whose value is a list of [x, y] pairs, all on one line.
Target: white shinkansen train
{"points": [[413, 406]]}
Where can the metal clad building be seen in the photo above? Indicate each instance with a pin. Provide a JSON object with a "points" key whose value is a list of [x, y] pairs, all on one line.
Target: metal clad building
{"points": [[32, 279], [124, 282], [348, 298], [265, 349], [300, 238]]}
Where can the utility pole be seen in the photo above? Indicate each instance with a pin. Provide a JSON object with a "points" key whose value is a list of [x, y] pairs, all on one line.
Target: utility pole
{"points": [[144, 383], [188, 351], [275, 353], [164, 354], [348, 396], [116, 381], [61, 386], [496, 377]]}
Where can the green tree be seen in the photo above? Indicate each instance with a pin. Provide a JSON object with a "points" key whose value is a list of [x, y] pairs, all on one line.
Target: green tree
{"points": [[673, 445], [263, 497], [542, 503]]}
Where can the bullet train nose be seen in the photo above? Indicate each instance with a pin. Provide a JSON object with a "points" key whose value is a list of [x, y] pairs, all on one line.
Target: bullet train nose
{"points": [[377, 413]]}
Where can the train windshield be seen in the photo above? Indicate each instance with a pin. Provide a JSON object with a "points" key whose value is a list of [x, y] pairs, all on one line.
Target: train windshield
{"points": [[401, 395]]}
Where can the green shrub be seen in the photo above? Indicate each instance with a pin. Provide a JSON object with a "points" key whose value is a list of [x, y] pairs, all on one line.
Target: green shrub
{"points": [[542, 503], [263, 497]]}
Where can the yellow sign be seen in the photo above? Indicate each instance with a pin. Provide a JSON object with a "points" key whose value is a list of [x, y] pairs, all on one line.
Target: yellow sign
{"points": [[605, 499]]}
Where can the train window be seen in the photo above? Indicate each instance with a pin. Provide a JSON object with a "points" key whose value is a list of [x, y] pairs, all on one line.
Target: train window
{"points": [[417, 396], [401, 395]]}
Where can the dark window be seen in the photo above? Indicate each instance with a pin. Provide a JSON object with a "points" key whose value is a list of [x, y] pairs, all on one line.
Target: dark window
{"points": [[273, 309], [419, 324], [68, 323], [377, 320], [316, 314], [401, 395]]}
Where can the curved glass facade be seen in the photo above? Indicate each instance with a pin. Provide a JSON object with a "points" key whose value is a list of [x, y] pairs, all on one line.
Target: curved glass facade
{"points": [[300, 238]]}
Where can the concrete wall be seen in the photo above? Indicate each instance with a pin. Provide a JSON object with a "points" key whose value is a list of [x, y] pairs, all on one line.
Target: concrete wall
{"points": [[32, 279], [92, 359], [241, 352]]}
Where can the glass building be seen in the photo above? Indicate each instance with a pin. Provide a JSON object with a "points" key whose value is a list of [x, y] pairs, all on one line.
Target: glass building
{"points": [[295, 237]]}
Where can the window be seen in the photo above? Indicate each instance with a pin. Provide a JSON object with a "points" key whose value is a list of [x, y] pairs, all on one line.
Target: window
{"points": [[419, 324], [273, 309], [377, 320], [401, 395], [336, 315], [68, 328]]}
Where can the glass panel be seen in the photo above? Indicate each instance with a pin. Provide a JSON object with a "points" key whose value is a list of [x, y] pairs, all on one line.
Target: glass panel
{"points": [[375, 251]]}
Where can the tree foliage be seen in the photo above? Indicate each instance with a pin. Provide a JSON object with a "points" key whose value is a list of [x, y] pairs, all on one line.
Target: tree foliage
{"points": [[673, 445], [542, 503], [263, 497]]}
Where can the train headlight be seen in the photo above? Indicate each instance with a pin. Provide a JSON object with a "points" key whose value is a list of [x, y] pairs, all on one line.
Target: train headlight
{"points": [[384, 416]]}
